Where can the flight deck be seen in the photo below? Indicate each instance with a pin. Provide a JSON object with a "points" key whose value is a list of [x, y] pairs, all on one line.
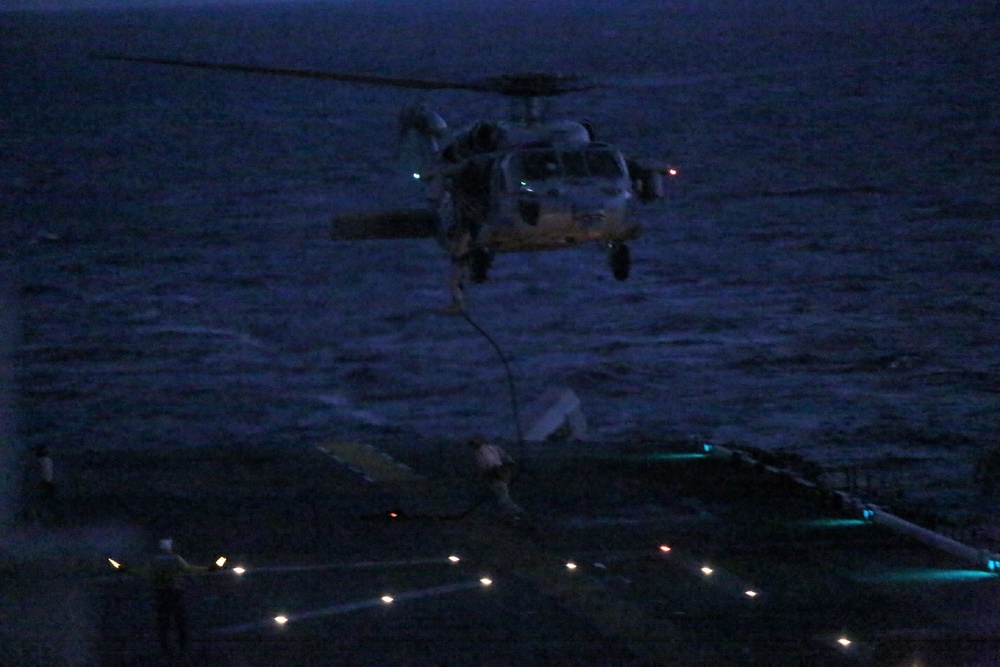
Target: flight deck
{"points": [[390, 554]]}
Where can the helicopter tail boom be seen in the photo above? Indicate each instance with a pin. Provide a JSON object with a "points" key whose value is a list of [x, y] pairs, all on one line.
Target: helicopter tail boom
{"points": [[385, 225]]}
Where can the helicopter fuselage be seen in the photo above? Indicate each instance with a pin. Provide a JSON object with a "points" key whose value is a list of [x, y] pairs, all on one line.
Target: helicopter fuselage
{"points": [[517, 186]]}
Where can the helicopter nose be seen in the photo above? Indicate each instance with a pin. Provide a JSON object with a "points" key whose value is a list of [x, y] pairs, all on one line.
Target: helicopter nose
{"points": [[589, 218], [597, 209]]}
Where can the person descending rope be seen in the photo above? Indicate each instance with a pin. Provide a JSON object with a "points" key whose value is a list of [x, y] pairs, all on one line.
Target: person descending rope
{"points": [[496, 468], [459, 240]]}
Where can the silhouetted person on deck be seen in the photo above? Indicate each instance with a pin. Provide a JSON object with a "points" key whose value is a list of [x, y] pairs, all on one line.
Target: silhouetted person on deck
{"points": [[47, 505], [167, 570]]}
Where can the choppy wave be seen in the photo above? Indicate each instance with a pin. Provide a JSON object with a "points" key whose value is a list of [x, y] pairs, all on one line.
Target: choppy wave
{"points": [[200, 331]]}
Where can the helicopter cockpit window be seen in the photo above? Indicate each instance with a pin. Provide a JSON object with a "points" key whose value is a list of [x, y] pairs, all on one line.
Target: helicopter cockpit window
{"points": [[575, 164], [603, 163], [539, 165], [592, 163], [536, 165]]}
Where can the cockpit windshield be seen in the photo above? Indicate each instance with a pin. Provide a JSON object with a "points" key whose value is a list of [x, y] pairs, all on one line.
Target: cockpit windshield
{"points": [[535, 165], [539, 164]]}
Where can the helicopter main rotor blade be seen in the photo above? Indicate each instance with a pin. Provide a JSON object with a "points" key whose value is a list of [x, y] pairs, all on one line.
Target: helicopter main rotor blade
{"points": [[396, 82], [525, 85]]}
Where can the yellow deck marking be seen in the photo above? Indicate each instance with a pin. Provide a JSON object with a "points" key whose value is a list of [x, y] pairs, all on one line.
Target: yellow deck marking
{"points": [[374, 465]]}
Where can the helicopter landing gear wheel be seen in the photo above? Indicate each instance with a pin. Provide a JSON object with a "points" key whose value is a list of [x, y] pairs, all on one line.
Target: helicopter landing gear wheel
{"points": [[620, 259], [480, 261]]}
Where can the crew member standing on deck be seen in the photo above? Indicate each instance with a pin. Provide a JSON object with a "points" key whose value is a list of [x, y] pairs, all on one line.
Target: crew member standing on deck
{"points": [[496, 468], [47, 506]]}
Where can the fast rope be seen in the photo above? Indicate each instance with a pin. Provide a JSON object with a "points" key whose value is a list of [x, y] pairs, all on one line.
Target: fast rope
{"points": [[517, 426], [514, 409], [510, 377]]}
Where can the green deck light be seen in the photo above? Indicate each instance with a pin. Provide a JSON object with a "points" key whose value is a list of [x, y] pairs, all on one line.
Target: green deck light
{"points": [[828, 523], [675, 456], [925, 576]]}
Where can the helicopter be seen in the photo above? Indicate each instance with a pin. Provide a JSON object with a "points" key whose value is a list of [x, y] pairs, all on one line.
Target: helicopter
{"points": [[525, 183]]}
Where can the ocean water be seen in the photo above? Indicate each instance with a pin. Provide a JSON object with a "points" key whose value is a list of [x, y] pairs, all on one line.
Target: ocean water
{"points": [[823, 277]]}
